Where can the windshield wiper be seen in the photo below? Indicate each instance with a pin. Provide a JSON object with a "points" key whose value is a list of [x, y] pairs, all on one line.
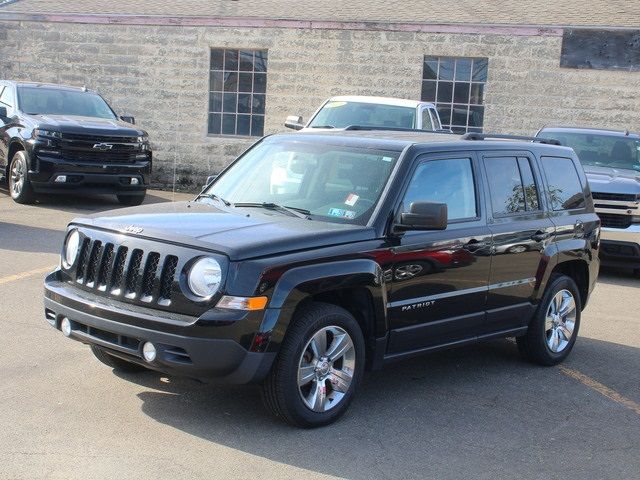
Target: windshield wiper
{"points": [[322, 126], [295, 211], [215, 197]]}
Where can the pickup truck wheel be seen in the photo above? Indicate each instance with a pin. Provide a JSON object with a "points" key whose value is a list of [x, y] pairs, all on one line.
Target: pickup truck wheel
{"points": [[131, 200], [554, 328], [318, 369], [19, 184], [115, 362]]}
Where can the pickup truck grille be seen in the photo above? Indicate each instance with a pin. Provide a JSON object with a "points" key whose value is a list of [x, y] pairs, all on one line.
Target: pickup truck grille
{"points": [[99, 138], [131, 273], [615, 221], [110, 156], [87, 148], [617, 197]]}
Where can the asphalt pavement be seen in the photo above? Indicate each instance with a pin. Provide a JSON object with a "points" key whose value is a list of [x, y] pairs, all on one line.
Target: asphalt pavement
{"points": [[472, 413]]}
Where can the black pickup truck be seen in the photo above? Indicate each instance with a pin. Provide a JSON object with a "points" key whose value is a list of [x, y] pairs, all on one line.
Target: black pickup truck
{"points": [[57, 139], [315, 256]]}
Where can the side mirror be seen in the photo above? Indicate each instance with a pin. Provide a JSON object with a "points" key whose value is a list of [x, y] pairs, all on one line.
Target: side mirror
{"points": [[3, 112], [128, 119], [294, 122], [424, 216], [210, 180]]}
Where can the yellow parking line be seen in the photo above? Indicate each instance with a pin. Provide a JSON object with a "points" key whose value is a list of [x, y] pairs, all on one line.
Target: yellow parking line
{"points": [[601, 389], [20, 276]]}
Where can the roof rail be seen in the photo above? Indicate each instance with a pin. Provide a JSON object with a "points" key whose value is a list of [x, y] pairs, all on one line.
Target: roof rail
{"points": [[394, 129], [485, 136]]}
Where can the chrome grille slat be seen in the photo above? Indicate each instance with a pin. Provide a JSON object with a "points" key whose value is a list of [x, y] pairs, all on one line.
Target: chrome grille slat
{"points": [[94, 262], [166, 278], [133, 272], [149, 277], [82, 260], [106, 266], [118, 270]]}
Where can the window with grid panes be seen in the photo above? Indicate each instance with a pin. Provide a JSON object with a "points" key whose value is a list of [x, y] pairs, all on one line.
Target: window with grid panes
{"points": [[456, 86], [237, 87]]}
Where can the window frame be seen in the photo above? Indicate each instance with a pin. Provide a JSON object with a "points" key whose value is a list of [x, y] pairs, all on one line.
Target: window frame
{"points": [[536, 179], [477, 183], [235, 113], [452, 103], [548, 184], [11, 109]]}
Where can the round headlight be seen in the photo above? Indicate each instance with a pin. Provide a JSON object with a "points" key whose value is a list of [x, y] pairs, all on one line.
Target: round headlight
{"points": [[71, 249], [205, 277]]}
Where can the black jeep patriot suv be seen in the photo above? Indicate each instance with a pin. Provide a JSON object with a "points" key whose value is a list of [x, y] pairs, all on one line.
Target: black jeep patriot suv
{"points": [[316, 256], [58, 139]]}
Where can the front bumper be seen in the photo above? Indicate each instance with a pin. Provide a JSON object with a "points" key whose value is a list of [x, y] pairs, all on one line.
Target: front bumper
{"points": [[88, 177], [620, 247], [183, 348]]}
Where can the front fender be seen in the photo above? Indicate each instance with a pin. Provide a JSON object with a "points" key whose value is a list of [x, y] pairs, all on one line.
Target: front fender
{"points": [[300, 283]]}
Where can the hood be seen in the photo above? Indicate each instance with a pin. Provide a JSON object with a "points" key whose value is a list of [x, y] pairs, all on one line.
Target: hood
{"points": [[86, 125], [238, 233], [612, 180]]}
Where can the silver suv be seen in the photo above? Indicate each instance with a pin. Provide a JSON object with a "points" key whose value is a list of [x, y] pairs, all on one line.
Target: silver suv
{"points": [[611, 160]]}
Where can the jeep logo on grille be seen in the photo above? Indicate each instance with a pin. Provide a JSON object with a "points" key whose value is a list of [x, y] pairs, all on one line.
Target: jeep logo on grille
{"points": [[103, 146], [133, 229]]}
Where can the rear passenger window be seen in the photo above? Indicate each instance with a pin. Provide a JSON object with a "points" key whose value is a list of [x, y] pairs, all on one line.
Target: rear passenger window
{"points": [[512, 186], [447, 181], [565, 188]]}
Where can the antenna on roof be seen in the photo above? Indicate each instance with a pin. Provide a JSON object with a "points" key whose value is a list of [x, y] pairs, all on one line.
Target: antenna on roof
{"points": [[626, 133], [84, 88]]}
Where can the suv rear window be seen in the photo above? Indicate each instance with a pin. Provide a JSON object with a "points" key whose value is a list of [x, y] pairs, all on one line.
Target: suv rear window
{"points": [[565, 188]]}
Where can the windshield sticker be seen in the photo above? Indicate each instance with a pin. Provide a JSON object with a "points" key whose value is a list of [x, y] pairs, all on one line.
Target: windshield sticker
{"points": [[339, 212], [351, 200], [387, 159], [335, 104]]}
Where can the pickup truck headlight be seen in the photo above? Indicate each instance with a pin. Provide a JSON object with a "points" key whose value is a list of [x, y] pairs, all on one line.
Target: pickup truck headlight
{"points": [[143, 138], [204, 277], [39, 132], [71, 249]]}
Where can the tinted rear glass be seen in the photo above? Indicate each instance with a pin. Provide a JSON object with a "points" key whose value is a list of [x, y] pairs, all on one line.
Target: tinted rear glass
{"points": [[565, 188]]}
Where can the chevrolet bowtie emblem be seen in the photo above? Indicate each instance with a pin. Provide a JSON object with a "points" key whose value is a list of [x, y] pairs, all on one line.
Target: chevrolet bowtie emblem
{"points": [[103, 146]]}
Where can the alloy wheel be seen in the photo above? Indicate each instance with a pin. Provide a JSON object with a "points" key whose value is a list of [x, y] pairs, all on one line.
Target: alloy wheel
{"points": [[17, 178], [560, 321], [326, 368]]}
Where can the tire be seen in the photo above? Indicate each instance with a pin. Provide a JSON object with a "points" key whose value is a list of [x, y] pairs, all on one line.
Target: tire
{"points": [[19, 184], [115, 362], [131, 200], [551, 335], [302, 355]]}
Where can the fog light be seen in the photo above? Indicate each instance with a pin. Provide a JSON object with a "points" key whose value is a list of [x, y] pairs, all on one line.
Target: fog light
{"points": [[135, 181], [61, 179], [65, 326], [149, 351]]}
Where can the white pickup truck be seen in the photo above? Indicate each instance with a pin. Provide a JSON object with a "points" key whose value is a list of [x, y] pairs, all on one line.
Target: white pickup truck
{"points": [[377, 112]]}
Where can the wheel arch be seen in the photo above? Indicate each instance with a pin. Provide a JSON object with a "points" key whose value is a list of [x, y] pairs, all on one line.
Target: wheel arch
{"points": [[14, 147], [355, 285]]}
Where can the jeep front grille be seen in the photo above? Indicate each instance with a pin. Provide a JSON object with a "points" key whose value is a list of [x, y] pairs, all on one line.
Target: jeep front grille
{"points": [[146, 277]]}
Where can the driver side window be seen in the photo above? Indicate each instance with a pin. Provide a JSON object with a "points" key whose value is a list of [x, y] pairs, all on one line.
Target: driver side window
{"points": [[447, 181]]}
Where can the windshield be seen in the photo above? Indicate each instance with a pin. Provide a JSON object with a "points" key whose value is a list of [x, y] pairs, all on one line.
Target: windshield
{"points": [[51, 101], [601, 150], [334, 183], [342, 114]]}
